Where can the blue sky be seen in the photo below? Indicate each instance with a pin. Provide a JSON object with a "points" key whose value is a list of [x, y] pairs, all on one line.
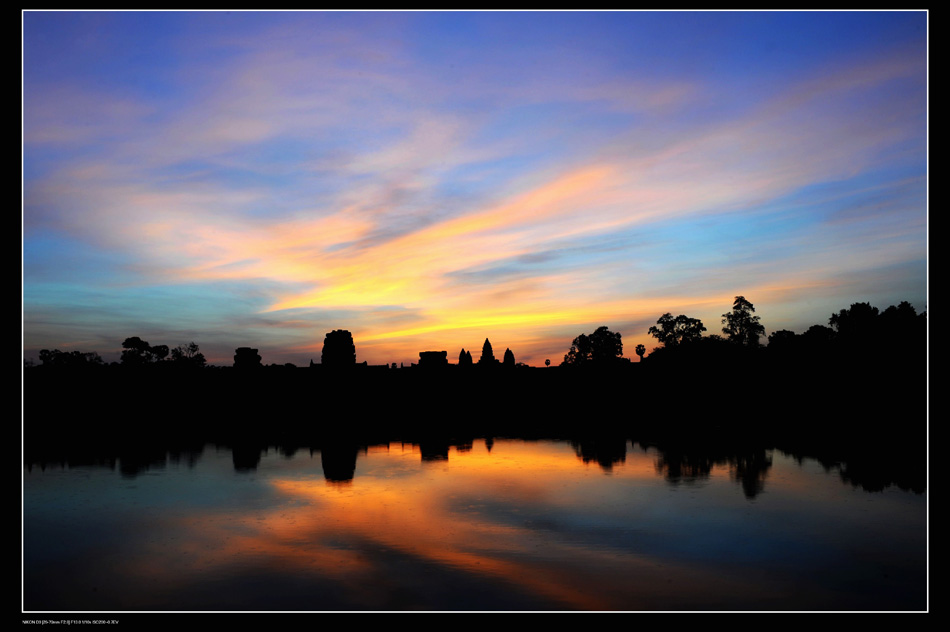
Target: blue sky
{"points": [[430, 179]]}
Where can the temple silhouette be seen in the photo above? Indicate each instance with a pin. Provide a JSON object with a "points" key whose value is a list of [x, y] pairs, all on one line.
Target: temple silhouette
{"points": [[849, 382]]}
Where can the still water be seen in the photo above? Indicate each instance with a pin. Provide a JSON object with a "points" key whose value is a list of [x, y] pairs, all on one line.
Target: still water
{"points": [[490, 525]]}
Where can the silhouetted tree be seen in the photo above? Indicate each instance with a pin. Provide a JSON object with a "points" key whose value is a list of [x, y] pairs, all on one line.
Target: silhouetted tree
{"points": [[48, 358], [246, 358], [579, 353], [640, 350], [856, 324], [782, 340], [902, 316], [547, 362], [673, 332], [92, 358], [607, 451], [905, 327], [606, 345], [71, 359], [509, 359], [601, 347], [740, 326], [188, 356], [138, 352], [338, 349], [787, 346], [488, 356], [861, 329], [899, 317], [818, 337]]}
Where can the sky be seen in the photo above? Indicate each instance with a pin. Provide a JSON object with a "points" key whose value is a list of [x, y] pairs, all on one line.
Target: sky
{"points": [[427, 180]]}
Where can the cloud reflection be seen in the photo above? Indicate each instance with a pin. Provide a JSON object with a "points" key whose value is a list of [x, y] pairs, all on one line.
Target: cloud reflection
{"points": [[515, 517]]}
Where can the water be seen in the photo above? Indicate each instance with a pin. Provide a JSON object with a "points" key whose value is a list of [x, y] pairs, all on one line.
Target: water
{"points": [[490, 525]]}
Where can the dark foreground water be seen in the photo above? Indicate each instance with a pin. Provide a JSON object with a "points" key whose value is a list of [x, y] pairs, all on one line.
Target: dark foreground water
{"points": [[490, 525]]}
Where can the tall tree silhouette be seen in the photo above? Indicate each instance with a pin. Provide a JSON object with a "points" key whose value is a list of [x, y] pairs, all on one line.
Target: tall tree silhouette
{"points": [[640, 350], [740, 326]]}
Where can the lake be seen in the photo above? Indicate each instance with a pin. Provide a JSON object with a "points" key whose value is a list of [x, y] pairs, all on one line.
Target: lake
{"points": [[488, 524]]}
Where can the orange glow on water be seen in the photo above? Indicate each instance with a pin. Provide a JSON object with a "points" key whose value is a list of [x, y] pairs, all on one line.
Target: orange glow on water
{"points": [[415, 515], [522, 524], [445, 520]]}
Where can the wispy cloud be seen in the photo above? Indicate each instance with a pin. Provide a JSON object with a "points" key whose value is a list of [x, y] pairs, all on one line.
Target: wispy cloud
{"points": [[334, 164]]}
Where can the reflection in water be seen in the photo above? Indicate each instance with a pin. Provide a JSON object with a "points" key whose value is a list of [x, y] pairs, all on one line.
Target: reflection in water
{"points": [[434, 449], [606, 451], [246, 456], [748, 465], [339, 461], [502, 524]]}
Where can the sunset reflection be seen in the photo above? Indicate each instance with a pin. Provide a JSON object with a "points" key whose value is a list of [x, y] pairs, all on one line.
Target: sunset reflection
{"points": [[525, 525], [510, 515]]}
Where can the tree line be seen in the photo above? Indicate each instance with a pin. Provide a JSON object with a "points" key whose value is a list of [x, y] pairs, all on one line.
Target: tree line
{"points": [[859, 330], [135, 352]]}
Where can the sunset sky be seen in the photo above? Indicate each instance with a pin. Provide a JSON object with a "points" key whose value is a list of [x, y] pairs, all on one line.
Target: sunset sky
{"points": [[430, 179]]}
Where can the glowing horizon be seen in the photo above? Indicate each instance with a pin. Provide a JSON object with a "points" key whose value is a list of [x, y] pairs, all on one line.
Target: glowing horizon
{"points": [[429, 180]]}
